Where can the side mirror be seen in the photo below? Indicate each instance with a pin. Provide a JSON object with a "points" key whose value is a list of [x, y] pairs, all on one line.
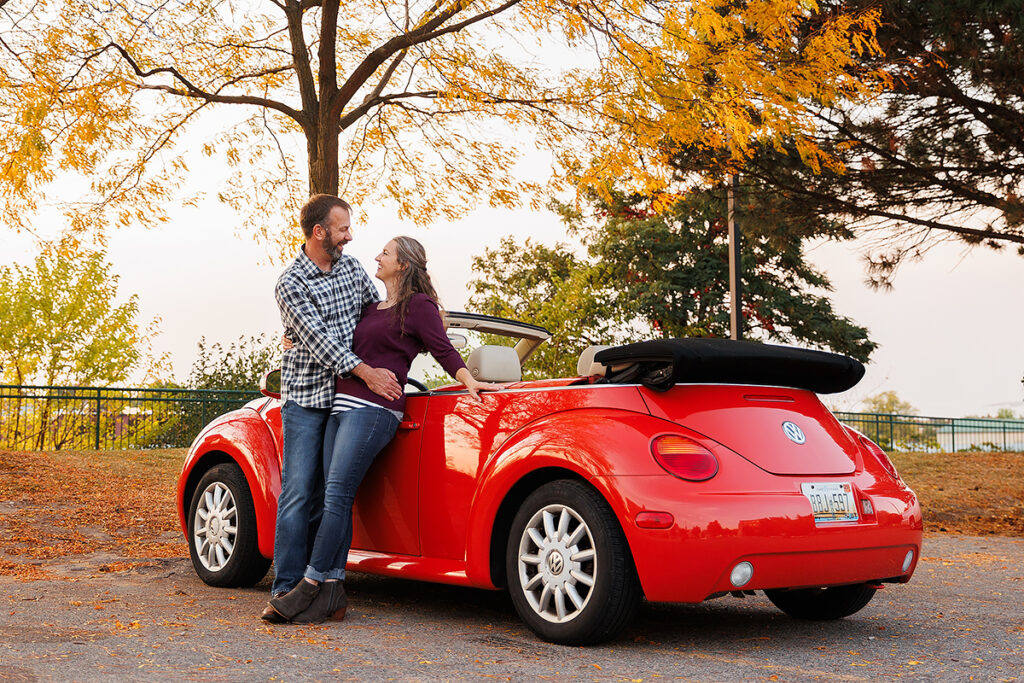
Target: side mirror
{"points": [[459, 341], [270, 384]]}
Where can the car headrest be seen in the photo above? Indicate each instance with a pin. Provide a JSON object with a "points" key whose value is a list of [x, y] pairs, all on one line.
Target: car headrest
{"points": [[492, 363], [586, 366]]}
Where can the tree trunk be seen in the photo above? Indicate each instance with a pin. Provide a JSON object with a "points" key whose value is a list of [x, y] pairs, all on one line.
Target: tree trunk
{"points": [[322, 150]]}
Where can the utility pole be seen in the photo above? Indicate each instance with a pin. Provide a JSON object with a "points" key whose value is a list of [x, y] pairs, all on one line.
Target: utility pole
{"points": [[735, 266]]}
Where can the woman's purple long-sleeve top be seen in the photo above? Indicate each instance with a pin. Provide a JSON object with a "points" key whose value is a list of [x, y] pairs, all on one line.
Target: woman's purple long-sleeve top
{"points": [[380, 344]]}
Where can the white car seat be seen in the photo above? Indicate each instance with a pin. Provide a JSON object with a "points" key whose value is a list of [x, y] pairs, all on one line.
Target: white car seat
{"points": [[586, 366], [492, 363]]}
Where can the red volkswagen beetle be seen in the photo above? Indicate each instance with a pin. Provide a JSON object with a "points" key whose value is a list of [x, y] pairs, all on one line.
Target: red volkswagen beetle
{"points": [[676, 470]]}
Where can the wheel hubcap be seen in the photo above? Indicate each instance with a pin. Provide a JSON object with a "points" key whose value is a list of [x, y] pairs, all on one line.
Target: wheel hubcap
{"points": [[557, 567], [214, 529]]}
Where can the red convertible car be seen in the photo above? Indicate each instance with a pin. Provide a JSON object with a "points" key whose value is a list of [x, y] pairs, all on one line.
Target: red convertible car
{"points": [[671, 470]]}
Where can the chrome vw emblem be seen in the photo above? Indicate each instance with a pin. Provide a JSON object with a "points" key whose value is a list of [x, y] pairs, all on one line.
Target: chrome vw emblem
{"points": [[555, 563], [793, 432]]}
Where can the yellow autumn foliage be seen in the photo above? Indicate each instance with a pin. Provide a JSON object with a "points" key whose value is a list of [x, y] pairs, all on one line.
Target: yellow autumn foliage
{"points": [[426, 104]]}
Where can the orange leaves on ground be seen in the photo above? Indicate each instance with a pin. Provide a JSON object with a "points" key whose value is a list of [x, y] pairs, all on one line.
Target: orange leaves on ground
{"points": [[66, 504], [967, 493]]}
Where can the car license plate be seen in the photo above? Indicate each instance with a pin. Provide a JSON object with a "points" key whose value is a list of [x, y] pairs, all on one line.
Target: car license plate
{"points": [[831, 501]]}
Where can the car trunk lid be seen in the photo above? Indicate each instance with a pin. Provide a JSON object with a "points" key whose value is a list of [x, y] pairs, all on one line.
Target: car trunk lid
{"points": [[781, 430]]}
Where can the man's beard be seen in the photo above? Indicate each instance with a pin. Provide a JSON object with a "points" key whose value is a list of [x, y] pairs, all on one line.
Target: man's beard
{"points": [[332, 249]]}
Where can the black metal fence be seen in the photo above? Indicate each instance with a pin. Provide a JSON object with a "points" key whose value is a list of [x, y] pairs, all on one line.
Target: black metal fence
{"points": [[938, 434], [68, 418], [55, 418]]}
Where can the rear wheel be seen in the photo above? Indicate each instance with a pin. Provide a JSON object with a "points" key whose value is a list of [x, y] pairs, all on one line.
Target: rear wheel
{"points": [[568, 565], [822, 604], [222, 537]]}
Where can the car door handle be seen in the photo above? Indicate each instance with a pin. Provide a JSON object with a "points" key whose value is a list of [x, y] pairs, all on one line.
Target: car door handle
{"points": [[408, 425]]}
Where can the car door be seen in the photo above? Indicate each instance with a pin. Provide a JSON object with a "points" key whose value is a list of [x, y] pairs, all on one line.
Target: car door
{"points": [[459, 436], [386, 510]]}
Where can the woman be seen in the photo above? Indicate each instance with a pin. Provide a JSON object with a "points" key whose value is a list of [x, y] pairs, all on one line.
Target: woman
{"points": [[389, 335]]}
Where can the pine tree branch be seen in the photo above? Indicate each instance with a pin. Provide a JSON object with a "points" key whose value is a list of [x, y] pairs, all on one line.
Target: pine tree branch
{"points": [[860, 210]]}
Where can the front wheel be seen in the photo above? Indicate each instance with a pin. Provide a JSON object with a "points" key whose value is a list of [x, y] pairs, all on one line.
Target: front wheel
{"points": [[569, 569], [822, 604], [222, 537]]}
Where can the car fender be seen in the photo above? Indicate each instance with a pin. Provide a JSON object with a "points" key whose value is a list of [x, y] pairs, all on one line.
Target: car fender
{"points": [[592, 444], [243, 438]]}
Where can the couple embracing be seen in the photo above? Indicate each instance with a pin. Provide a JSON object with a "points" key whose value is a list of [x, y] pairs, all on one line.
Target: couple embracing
{"points": [[347, 356]]}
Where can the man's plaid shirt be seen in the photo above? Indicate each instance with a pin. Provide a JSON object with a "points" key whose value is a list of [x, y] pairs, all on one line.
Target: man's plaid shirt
{"points": [[319, 311]]}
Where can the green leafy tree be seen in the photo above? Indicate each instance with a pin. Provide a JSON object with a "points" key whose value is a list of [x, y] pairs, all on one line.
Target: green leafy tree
{"points": [[888, 402], [665, 274], [550, 287], [671, 269], [217, 373], [62, 326], [239, 366], [896, 428]]}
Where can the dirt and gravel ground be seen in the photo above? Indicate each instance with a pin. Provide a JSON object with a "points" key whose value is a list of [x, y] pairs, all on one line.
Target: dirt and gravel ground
{"points": [[100, 588], [959, 619]]}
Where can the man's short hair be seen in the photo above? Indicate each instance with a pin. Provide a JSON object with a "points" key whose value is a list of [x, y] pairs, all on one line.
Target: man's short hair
{"points": [[316, 209]]}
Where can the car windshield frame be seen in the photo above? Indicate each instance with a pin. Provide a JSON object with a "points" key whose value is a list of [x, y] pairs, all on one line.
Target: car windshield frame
{"points": [[530, 337]]}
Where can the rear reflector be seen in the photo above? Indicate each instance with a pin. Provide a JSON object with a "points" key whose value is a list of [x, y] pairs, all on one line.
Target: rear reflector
{"points": [[648, 519], [684, 458]]}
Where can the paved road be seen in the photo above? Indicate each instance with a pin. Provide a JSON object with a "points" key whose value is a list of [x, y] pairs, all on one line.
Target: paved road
{"points": [[961, 618]]}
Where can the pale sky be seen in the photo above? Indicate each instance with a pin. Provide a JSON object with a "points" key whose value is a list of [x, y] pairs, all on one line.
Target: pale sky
{"points": [[950, 333]]}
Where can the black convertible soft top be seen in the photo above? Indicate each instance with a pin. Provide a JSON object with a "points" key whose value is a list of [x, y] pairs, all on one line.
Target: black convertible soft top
{"points": [[662, 363]]}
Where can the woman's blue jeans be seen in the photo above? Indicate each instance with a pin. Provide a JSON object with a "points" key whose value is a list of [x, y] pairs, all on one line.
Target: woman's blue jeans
{"points": [[352, 440]]}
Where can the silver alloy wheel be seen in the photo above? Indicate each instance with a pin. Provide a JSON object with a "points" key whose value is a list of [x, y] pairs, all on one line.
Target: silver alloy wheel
{"points": [[557, 567], [215, 526]]}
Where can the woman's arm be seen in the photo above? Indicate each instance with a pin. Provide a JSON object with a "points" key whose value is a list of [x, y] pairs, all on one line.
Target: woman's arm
{"points": [[426, 321]]}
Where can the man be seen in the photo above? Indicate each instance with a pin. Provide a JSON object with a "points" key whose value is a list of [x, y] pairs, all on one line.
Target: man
{"points": [[320, 296]]}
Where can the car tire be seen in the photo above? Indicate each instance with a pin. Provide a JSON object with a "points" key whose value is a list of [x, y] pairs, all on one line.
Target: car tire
{"points": [[222, 537], [822, 604], [568, 566]]}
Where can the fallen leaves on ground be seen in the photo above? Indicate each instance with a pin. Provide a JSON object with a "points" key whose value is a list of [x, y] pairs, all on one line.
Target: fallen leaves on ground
{"points": [[967, 493], [63, 504], [72, 503]]}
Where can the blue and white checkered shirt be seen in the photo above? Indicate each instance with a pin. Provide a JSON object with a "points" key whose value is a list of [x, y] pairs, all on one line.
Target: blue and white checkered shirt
{"points": [[319, 312]]}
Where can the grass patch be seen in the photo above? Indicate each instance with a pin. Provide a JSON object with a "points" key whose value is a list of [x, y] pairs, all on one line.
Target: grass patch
{"points": [[967, 493]]}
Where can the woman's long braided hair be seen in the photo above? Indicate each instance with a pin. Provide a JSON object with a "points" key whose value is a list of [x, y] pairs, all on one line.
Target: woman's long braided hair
{"points": [[414, 279]]}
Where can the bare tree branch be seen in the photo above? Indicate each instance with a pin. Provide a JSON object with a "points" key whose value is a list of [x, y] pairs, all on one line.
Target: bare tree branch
{"points": [[424, 33], [195, 92]]}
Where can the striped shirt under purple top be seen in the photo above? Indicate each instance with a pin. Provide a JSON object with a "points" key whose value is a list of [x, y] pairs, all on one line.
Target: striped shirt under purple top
{"points": [[378, 341]]}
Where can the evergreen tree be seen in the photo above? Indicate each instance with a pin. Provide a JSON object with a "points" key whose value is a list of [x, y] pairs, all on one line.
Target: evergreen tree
{"points": [[938, 156], [665, 274]]}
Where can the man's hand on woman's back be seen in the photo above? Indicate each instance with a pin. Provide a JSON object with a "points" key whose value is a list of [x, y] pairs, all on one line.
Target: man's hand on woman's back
{"points": [[381, 381]]}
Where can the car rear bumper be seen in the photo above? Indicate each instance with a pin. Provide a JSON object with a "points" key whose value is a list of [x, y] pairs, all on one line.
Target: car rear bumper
{"points": [[712, 531]]}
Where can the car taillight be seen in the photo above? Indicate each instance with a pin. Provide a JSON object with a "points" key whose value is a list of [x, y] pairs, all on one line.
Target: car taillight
{"points": [[880, 455], [684, 458]]}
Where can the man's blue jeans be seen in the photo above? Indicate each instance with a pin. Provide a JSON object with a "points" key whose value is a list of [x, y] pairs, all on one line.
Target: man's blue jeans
{"points": [[301, 500], [352, 440]]}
